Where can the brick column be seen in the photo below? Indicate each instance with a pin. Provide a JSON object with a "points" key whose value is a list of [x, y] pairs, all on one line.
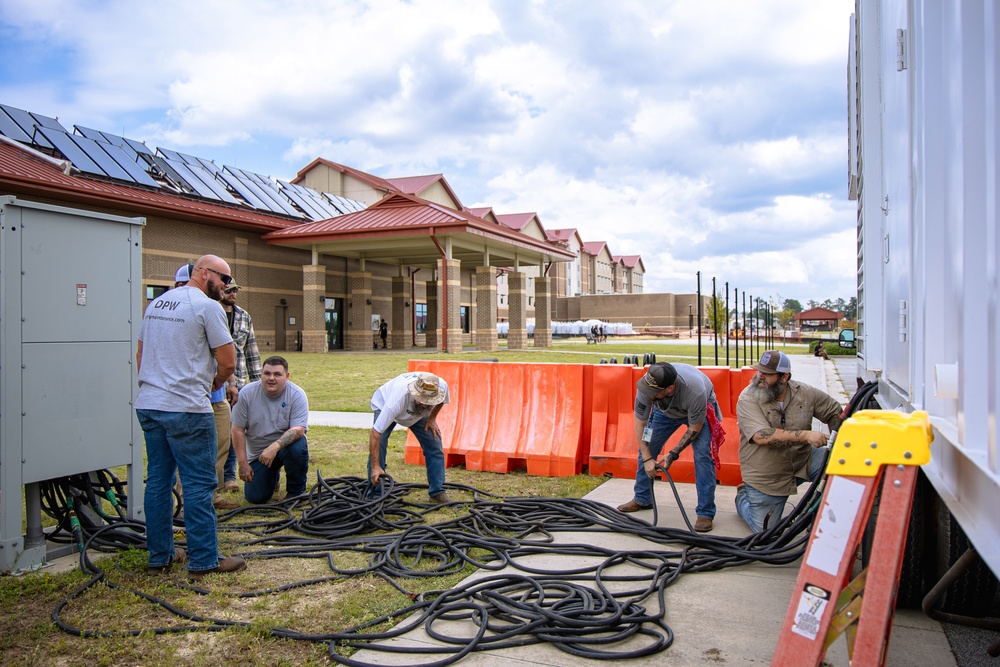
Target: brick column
{"points": [[454, 303], [543, 314], [313, 315], [431, 330], [517, 309], [485, 335], [401, 327], [358, 335]]}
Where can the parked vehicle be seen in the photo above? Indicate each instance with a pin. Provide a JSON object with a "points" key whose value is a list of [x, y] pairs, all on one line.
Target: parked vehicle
{"points": [[846, 339], [924, 165]]}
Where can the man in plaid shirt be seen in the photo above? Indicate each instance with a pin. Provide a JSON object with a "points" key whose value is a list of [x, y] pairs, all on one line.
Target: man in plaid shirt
{"points": [[247, 364]]}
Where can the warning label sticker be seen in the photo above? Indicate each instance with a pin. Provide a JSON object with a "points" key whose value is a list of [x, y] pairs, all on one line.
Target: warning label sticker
{"points": [[812, 604]]}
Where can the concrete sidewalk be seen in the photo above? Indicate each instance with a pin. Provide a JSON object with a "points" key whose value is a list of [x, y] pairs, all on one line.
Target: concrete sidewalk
{"points": [[731, 617]]}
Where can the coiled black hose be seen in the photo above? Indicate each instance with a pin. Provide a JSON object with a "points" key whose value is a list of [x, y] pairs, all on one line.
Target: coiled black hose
{"points": [[593, 609]]}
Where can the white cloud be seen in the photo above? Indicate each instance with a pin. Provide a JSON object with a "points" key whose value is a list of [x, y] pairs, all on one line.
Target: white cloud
{"points": [[693, 133]]}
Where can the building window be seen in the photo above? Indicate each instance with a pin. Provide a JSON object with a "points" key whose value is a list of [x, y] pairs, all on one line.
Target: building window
{"points": [[463, 316], [153, 291], [420, 313]]}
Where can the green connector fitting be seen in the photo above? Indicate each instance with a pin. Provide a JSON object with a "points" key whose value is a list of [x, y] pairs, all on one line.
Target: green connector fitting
{"points": [[112, 497]]}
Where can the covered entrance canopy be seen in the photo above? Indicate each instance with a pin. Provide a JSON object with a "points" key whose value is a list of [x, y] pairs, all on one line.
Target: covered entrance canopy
{"points": [[410, 232]]}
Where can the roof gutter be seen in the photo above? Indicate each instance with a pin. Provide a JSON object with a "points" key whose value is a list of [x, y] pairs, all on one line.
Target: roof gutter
{"points": [[444, 302]]}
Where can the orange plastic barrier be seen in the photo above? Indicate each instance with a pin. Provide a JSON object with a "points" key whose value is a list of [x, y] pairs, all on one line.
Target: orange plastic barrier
{"points": [[554, 419], [613, 448], [504, 416], [454, 418]]}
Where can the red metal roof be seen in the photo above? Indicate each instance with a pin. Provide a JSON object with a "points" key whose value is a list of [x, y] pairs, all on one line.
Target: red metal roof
{"points": [[405, 214], [819, 314], [22, 172], [416, 185], [363, 176], [630, 261], [594, 247], [561, 234], [517, 221]]}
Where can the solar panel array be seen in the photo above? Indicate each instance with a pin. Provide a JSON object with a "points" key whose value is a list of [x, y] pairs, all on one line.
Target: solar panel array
{"points": [[104, 155]]}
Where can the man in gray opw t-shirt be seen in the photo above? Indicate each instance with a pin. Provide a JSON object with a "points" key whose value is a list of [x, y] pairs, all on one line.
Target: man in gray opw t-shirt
{"points": [[184, 352], [269, 433]]}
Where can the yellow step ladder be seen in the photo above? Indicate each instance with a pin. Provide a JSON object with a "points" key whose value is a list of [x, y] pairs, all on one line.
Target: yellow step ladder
{"points": [[870, 446]]}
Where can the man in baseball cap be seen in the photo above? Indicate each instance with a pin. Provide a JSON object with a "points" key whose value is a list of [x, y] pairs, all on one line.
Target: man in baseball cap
{"points": [[667, 397], [778, 448]]}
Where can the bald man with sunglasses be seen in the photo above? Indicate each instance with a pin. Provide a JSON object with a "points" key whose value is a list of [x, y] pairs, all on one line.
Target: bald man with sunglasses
{"points": [[183, 353]]}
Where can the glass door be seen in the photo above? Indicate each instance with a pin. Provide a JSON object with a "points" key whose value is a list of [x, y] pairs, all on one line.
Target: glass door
{"points": [[334, 324]]}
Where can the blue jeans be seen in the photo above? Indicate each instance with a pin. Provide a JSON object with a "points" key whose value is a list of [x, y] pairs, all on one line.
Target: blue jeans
{"points": [[755, 507], [704, 467], [294, 459], [433, 453], [229, 472], [185, 443]]}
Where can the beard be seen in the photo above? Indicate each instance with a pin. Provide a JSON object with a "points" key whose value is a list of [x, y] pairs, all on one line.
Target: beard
{"points": [[762, 393], [214, 290]]}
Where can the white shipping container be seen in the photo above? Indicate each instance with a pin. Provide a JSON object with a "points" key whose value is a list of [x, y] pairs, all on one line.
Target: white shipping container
{"points": [[924, 90]]}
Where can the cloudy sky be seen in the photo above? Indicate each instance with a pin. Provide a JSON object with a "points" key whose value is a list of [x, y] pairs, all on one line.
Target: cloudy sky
{"points": [[702, 134]]}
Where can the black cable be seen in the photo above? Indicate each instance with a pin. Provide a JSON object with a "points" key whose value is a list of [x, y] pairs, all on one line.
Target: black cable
{"points": [[573, 609]]}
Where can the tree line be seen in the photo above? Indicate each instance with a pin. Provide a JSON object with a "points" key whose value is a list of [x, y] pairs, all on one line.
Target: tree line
{"points": [[782, 315]]}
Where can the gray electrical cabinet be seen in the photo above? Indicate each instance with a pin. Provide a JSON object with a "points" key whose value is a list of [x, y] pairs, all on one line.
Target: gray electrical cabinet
{"points": [[70, 284]]}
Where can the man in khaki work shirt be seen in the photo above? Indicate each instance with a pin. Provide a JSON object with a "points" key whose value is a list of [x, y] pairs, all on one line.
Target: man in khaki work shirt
{"points": [[778, 448]]}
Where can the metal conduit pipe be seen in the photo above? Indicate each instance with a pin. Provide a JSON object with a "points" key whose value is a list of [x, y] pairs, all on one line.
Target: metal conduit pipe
{"points": [[930, 601], [34, 536]]}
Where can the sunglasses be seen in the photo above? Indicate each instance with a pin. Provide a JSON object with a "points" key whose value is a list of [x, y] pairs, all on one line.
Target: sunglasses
{"points": [[231, 290], [225, 277]]}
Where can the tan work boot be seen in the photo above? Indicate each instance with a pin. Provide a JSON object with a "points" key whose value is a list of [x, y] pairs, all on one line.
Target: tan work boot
{"points": [[226, 564], [632, 506], [220, 503]]}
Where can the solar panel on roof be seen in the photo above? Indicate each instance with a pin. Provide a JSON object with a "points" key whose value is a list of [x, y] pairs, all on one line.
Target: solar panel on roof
{"points": [[245, 192], [159, 166], [303, 203], [320, 202], [100, 157], [138, 146], [343, 204], [45, 121], [269, 189], [315, 198], [12, 130], [185, 174], [89, 133], [267, 200], [211, 181], [127, 161], [27, 125], [211, 166], [170, 155], [70, 150]]}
